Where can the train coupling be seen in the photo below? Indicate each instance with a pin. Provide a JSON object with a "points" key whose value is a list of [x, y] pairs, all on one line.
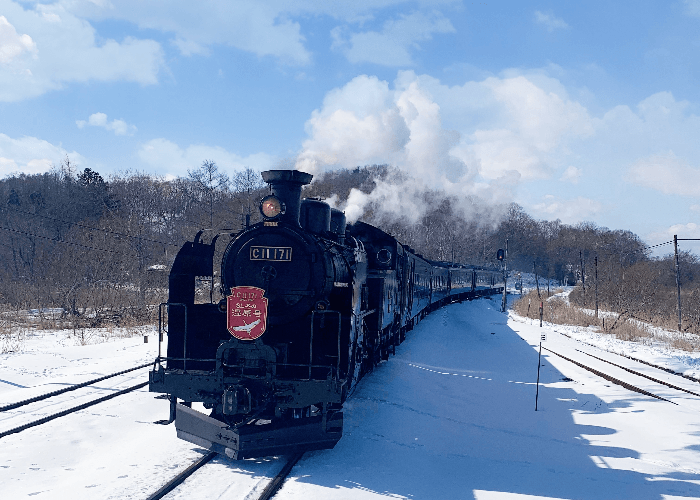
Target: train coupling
{"points": [[259, 438]]}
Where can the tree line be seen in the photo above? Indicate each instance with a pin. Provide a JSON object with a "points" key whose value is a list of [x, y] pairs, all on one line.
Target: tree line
{"points": [[99, 250]]}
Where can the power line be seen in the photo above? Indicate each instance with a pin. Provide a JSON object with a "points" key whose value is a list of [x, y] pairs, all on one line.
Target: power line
{"points": [[94, 228], [659, 245], [25, 233]]}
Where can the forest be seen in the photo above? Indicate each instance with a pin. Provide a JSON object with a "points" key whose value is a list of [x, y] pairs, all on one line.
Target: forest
{"points": [[78, 248]]}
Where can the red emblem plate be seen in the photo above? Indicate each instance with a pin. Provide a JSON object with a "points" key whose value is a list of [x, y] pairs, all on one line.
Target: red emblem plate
{"points": [[246, 312]]}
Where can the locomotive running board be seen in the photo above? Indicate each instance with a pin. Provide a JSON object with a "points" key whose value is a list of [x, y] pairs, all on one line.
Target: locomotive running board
{"points": [[253, 441]]}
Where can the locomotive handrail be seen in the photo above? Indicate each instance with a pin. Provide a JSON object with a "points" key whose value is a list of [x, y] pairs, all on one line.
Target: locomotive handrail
{"points": [[160, 334], [183, 359], [332, 372], [311, 341], [295, 365], [331, 369]]}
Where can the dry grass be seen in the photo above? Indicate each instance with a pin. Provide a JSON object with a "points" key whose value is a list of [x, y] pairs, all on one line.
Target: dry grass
{"points": [[16, 325], [12, 335], [554, 310], [557, 310]]}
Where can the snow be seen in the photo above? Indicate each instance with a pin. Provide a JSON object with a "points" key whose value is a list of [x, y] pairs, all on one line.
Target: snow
{"points": [[451, 416]]}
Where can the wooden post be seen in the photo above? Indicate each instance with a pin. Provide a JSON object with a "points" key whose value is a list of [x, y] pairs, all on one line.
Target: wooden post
{"points": [[539, 361]]}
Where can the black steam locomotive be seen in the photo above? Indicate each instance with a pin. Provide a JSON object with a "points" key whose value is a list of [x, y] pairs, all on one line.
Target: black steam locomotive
{"points": [[310, 305]]}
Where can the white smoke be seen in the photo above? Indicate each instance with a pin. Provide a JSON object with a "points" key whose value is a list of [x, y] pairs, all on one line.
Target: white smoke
{"points": [[365, 122]]}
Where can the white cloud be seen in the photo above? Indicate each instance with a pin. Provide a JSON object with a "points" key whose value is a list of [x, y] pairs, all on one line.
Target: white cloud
{"points": [[52, 44], [513, 123], [119, 127], [30, 155], [550, 21], [668, 174], [357, 124], [692, 7], [13, 45], [569, 211], [393, 45], [57, 47], [571, 174], [499, 125], [659, 124], [689, 230], [166, 156], [262, 28]]}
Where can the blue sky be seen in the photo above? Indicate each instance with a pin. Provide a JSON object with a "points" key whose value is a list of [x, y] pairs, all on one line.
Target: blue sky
{"points": [[582, 111]]}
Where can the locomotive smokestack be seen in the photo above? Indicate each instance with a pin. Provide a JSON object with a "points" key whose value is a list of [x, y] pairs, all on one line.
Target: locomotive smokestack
{"points": [[286, 185]]}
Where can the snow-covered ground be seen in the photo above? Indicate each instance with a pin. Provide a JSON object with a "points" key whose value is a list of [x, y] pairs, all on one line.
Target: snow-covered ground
{"points": [[451, 416]]}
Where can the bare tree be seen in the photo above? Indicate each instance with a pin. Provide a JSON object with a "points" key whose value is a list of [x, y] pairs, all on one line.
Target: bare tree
{"points": [[208, 179], [246, 183]]}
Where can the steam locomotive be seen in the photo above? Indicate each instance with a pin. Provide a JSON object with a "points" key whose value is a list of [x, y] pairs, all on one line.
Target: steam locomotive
{"points": [[310, 304]]}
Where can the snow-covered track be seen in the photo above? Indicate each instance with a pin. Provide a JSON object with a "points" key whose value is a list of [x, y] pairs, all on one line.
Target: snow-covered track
{"points": [[180, 478], [266, 494], [71, 410], [608, 377], [653, 379], [627, 356], [19, 404], [279, 479]]}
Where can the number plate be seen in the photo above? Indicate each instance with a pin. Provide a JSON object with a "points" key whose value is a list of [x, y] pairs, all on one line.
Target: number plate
{"points": [[280, 254]]}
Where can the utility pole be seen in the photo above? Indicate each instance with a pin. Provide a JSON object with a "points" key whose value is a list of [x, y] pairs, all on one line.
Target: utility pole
{"points": [[583, 277], [678, 279], [596, 286], [505, 278]]}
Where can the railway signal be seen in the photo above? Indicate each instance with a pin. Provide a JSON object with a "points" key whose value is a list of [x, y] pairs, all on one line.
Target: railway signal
{"points": [[502, 255]]}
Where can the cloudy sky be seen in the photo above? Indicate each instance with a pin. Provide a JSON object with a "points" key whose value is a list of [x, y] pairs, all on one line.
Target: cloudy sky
{"points": [[581, 111]]}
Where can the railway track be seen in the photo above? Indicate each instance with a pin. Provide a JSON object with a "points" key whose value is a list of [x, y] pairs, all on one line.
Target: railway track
{"points": [[267, 493], [6, 416], [644, 379], [641, 361]]}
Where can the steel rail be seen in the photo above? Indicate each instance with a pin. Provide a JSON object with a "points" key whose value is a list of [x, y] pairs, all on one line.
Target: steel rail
{"points": [[658, 367], [279, 479], [71, 410], [18, 404], [640, 374], [177, 480], [272, 487], [611, 378]]}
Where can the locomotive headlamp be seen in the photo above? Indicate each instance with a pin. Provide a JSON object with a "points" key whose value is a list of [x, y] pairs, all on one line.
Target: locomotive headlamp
{"points": [[271, 207]]}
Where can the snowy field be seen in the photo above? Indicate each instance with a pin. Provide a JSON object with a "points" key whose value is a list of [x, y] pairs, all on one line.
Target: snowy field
{"points": [[451, 416]]}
